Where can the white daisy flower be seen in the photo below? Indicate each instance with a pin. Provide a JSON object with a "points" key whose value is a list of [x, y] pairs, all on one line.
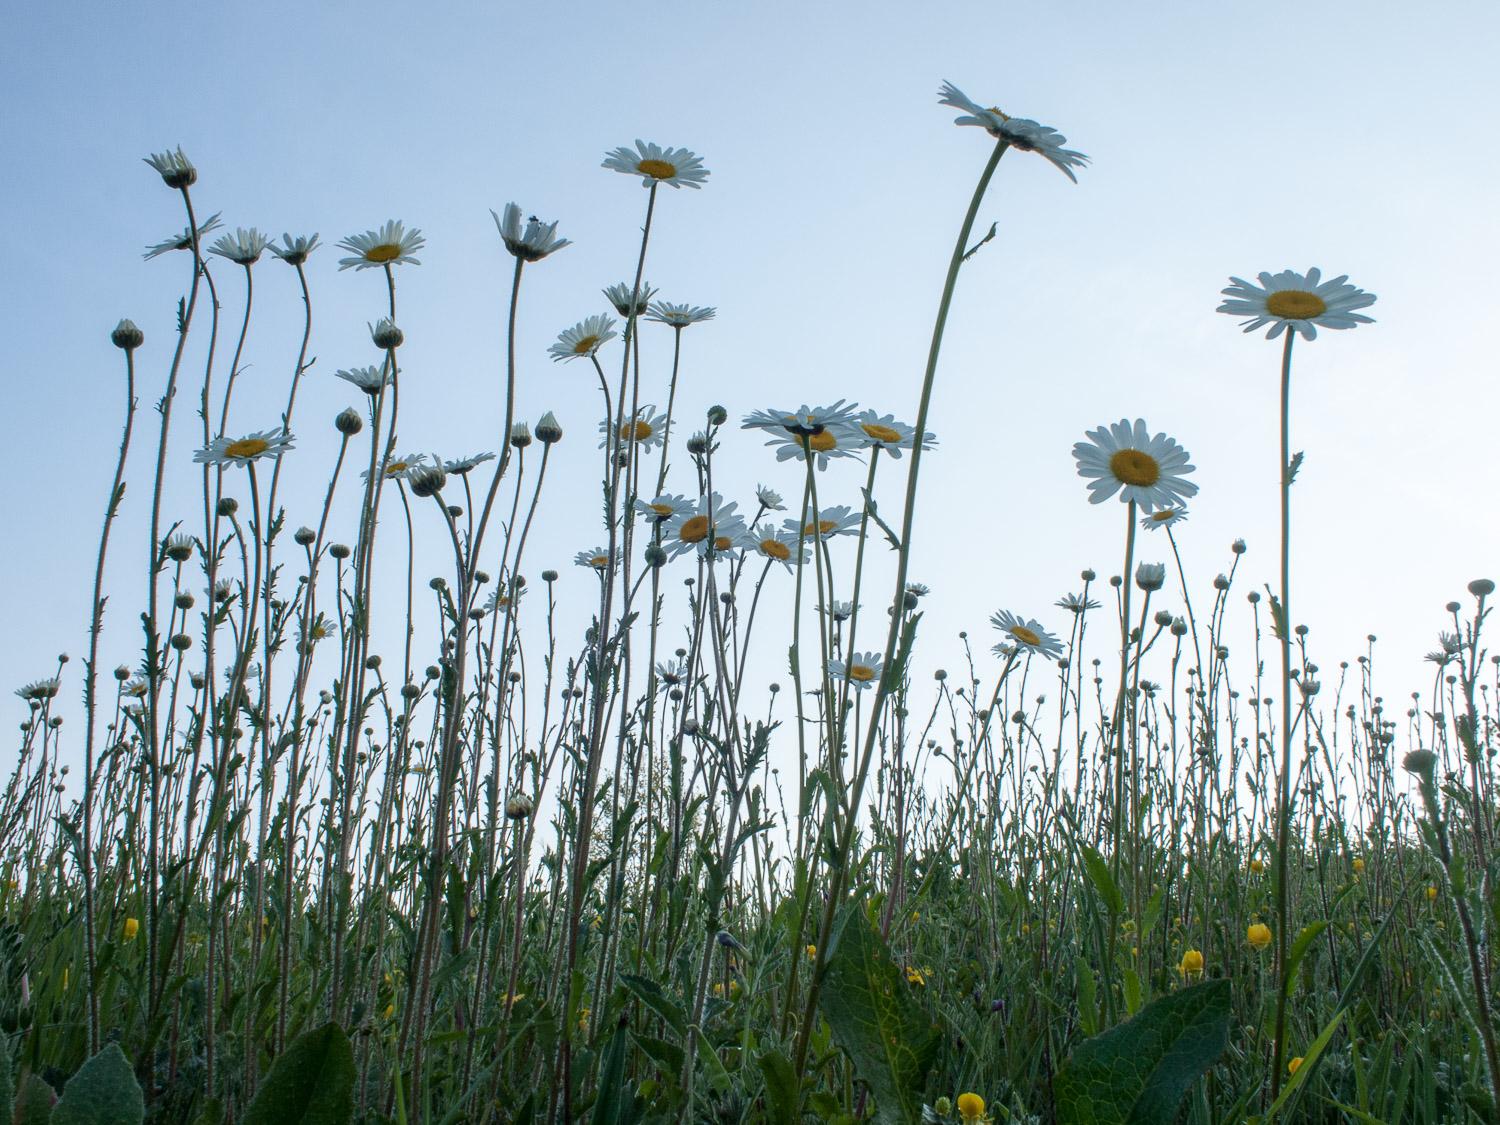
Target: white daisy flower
{"points": [[1076, 603], [647, 430], [461, 465], [778, 546], [1027, 635], [676, 167], [501, 599], [710, 525], [840, 611], [831, 522], [242, 451], [243, 246], [175, 169], [596, 559], [38, 690], [619, 296], [532, 244], [583, 339], [295, 251], [679, 316], [1125, 458], [871, 428], [400, 466], [368, 379], [1169, 516], [391, 245], [1301, 302], [663, 507], [769, 499], [1018, 132], [862, 669], [672, 673], [825, 430], [183, 241]]}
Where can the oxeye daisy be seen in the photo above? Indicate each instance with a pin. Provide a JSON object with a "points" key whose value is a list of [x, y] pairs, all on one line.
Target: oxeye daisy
{"points": [[619, 296], [1027, 636], [242, 451], [461, 465], [710, 525], [679, 316], [1018, 132], [839, 611], [646, 430], [769, 499], [777, 546], [583, 339], [1169, 516], [1076, 603], [400, 466], [871, 428], [1125, 458], [243, 247], [295, 251], [596, 559], [38, 690], [826, 431], [534, 242], [183, 241], [862, 669], [663, 507], [391, 245], [368, 379], [831, 522], [676, 167], [175, 169], [672, 673], [1301, 302]]}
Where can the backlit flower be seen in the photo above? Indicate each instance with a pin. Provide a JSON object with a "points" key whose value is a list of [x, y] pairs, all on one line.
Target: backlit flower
{"points": [[183, 241], [862, 669], [1302, 302], [676, 167], [391, 245], [1258, 935], [663, 507], [583, 339], [399, 466], [709, 527], [175, 169], [243, 246], [242, 451], [778, 546], [769, 499], [368, 379], [1125, 458], [679, 316], [534, 242], [620, 297], [38, 690], [1192, 963], [871, 428], [825, 431], [1018, 132], [830, 522], [646, 430], [1028, 636], [294, 251], [596, 559], [461, 465], [1169, 516]]}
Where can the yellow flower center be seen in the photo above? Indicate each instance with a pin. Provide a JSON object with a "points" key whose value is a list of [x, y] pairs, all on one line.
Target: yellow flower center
{"points": [[385, 252], [246, 448], [396, 467], [586, 345], [1131, 466], [657, 169], [822, 443], [641, 431], [662, 510], [1295, 304], [694, 530], [1024, 635], [776, 549], [822, 527], [721, 543], [861, 672], [881, 433], [599, 562], [1164, 515]]}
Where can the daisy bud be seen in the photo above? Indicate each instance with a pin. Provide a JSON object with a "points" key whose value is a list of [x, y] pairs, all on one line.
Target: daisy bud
{"points": [[698, 444], [1421, 763], [1238, 546], [717, 415], [1150, 576], [548, 429], [339, 551], [1253, 597], [520, 435], [519, 807], [433, 671], [549, 576], [385, 334], [304, 536], [182, 642], [1453, 607], [481, 576], [427, 480], [372, 662], [1221, 582], [196, 680], [410, 691], [349, 422], [1088, 576], [127, 336], [438, 583], [1480, 587], [1163, 617], [1179, 627], [227, 506], [655, 556], [122, 673]]}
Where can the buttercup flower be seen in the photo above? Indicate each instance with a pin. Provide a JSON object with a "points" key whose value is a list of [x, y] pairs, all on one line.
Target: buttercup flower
{"points": [[971, 1109], [130, 929], [242, 451], [243, 246], [1169, 516], [368, 379], [1258, 935], [1125, 458], [676, 167], [294, 251], [1018, 132], [391, 245], [1192, 963], [1301, 302], [531, 244], [861, 669], [1027, 635], [583, 339], [620, 296], [678, 316], [648, 429], [183, 241]]}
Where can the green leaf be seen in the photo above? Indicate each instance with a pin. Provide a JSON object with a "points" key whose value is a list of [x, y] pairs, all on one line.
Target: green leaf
{"points": [[34, 1102], [616, 1104], [1088, 1004], [654, 997], [1138, 1072], [1306, 1068], [103, 1092], [1299, 950], [868, 1004], [1104, 882], [782, 1089], [312, 1082], [7, 1087]]}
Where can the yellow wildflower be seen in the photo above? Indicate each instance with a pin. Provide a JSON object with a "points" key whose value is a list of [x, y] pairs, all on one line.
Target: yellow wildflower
{"points": [[914, 976], [1292, 1067], [1359, 866], [1192, 963], [1258, 935], [971, 1108], [132, 927], [812, 952], [1257, 867], [1431, 894]]}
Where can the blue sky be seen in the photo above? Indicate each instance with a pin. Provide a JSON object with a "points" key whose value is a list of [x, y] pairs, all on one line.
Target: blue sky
{"points": [[1223, 142]]}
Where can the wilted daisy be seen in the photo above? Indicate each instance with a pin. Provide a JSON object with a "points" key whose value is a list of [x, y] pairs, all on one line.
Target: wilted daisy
{"points": [[862, 669], [830, 522], [583, 339], [1018, 132], [459, 466], [596, 559], [243, 246], [294, 251], [38, 690], [1169, 516], [872, 428], [710, 524], [1027, 635], [391, 245], [778, 546], [399, 466], [183, 241], [242, 451], [175, 169], [1301, 302], [1126, 458], [663, 507], [676, 167], [769, 498], [620, 296], [368, 379], [648, 429], [534, 242], [679, 316]]}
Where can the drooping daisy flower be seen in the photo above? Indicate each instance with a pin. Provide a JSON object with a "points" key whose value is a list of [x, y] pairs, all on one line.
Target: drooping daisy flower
{"points": [[1164, 517], [38, 690], [778, 546], [1018, 132], [676, 167], [295, 251], [1028, 636], [648, 429], [596, 559], [368, 379], [710, 525], [1301, 302], [462, 465], [769, 499], [400, 466], [583, 339], [619, 296], [872, 428], [391, 245], [242, 451], [243, 247], [532, 244], [862, 669], [831, 522], [183, 241], [679, 316], [175, 169], [663, 507], [1126, 458]]}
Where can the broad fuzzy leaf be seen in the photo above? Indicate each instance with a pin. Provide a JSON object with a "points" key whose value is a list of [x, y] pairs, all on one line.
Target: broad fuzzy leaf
{"points": [[312, 1082], [103, 1092]]}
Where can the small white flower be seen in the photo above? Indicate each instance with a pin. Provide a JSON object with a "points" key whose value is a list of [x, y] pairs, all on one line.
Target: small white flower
{"points": [[676, 167], [1027, 635], [709, 527], [368, 379], [646, 430], [871, 428], [1018, 132], [242, 451], [596, 559], [620, 295], [175, 169], [663, 507], [862, 669], [183, 241], [831, 522], [400, 466], [1126, 458], [825, 431], [769, 499], [778, 546], [243, 246], [1301, 302], [679, 316], [461, 465], [583, 339], [532, 244], [391, 245], [38, 690], [1169, 516]]}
